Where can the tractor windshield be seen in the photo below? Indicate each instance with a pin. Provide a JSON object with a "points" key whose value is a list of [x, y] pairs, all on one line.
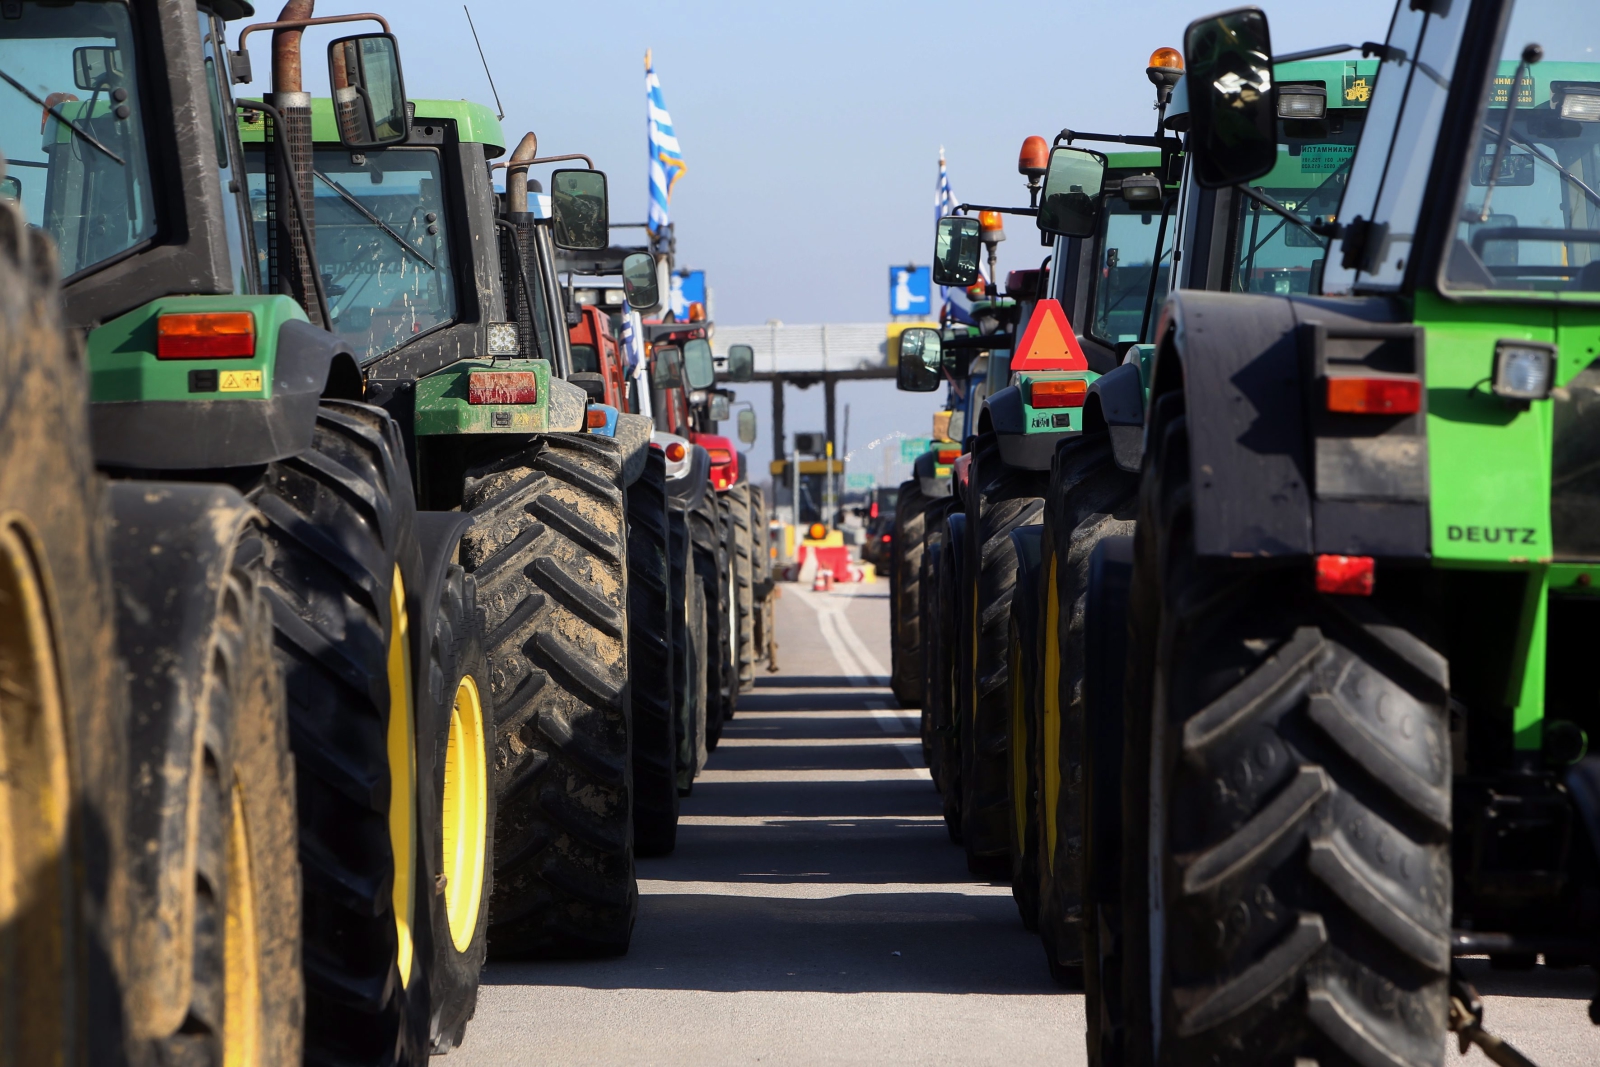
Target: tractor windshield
{"points": [[1128, 234], [72, 128], [382, 243], [1530, 219]]}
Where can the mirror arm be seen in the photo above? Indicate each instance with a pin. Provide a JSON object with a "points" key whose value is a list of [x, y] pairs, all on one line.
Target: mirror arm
{"points": [[300, 24], [1164, 143], [525, 164], [1317, 53], [963, 208]]}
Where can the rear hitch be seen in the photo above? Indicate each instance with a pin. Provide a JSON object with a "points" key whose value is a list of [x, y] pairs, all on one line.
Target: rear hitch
{"points": [[1466, 1020]]}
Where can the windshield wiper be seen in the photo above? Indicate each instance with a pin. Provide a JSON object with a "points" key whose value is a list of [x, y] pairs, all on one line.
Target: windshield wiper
{"points": [[370, 217], [1266, 201], [1530, 55], [59, 117]]}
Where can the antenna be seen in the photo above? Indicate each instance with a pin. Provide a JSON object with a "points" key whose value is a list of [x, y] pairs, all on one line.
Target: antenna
{"points": [[502, 111]]}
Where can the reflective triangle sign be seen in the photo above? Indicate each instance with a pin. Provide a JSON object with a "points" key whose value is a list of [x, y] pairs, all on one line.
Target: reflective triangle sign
{"points": [[1049, 342]]}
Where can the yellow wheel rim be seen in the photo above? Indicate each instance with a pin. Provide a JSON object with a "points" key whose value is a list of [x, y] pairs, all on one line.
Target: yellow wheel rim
{"points": [[1050, 727], [241, 1046], [1019, 750], [37, 992], [466, 814], [402, 776]]}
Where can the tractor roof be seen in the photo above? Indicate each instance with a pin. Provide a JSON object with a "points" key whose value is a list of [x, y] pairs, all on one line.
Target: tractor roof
{"points": [[474, 123]]}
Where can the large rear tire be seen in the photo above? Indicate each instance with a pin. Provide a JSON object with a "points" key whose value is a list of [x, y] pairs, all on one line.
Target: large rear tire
{"points": [[1022, 741], [217, 948], [911, 529], [1090, 499], [711, 563], [688, 700], [650, 660], [459, 730], [548, 550], [1000, 498], [1287, 796], [945, 674], [63, 919], [928, 655], [341, 553], [742, 552]]}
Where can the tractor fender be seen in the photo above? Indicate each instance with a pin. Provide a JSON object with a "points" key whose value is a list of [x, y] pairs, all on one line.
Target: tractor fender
{"points": [[172, 548], [172, 435], [1003, 413], [1258, 445], [569, 407], [1115, 404], [633, 434], [926, 470], [686, 492]]}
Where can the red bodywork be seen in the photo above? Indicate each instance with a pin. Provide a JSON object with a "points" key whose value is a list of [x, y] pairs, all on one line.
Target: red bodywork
{"points": [[724, 459], [594, 331]]}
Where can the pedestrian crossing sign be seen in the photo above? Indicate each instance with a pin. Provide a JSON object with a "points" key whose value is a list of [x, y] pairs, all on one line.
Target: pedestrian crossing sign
{"points": [[1049, 342]]}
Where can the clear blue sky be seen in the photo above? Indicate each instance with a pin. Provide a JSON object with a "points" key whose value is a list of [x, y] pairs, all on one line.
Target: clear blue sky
{"points": [[811, 131]]}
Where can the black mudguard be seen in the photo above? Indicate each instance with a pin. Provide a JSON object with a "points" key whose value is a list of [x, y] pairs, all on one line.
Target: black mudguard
{"points": [[1115, 404], [1004, 414], [1248, 366], [683, 494], [175, 435], [924, 468]]}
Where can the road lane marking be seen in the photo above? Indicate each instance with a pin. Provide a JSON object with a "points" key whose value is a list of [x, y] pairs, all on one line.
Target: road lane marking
{"points": [[857, 664]]}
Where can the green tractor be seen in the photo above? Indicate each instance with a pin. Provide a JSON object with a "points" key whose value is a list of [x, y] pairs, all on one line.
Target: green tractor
{"points": [[1335, 715], [447, 293], [286, 780]]}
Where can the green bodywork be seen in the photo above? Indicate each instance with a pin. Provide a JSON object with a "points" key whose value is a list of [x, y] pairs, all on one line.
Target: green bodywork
{"points": [[442, 407], [122, 353], [474, 123]]}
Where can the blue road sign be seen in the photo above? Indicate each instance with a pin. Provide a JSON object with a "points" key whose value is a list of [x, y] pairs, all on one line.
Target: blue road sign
{"points": [[688, 287], [910, 291]]}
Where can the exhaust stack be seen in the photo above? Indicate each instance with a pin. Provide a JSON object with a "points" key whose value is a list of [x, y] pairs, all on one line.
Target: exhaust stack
{"points": [[291, 260]]}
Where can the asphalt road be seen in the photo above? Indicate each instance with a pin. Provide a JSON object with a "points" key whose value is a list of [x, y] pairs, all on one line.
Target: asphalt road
{"points": [[815, 912]]}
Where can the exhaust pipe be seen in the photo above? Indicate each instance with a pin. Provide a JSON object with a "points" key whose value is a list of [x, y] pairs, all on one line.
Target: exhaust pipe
{"points": [[517, 173], [291, 162]]}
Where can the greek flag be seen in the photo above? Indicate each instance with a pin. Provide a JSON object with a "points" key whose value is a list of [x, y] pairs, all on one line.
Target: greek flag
{"points": [[633, 357], [666, 161], [944, 203]]}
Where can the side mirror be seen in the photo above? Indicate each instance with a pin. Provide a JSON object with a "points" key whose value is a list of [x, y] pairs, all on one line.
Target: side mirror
{"points": [[581, 211], [369, 95], [921, 360], [639, 283], [956, 251], [747, 426], [1070, 204], [721, 407], [697, 365], [1232, 97], [741, 363], [95, 67]]}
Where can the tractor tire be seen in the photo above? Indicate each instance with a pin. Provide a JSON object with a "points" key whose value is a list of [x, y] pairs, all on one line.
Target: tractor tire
{"points": [[707, 530], [730, 611], [911, 527], [216, 955], [1090, 499], [548, 550], [341, 558], [63, 917], [697, 670], [1022, 740], [690, 735], [459, 726], [1105, 662], [650, 648], [926, 655], [945, 673], [1286, 783], [742, 551], [1000, 498]]}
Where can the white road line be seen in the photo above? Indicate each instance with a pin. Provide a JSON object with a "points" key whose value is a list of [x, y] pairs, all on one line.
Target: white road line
{"points": [[858, 665]]}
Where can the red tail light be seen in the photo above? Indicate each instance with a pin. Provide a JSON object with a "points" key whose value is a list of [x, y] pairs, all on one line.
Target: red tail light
{"points": [[675, 451], [887, 538], [206, 335], [949, 455], [503, 387], [1345, 575], [1375, 396], [1062, 394]]}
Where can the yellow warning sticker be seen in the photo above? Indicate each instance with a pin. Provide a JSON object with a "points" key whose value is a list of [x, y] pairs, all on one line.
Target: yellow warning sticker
{"points": [[240, 381]]}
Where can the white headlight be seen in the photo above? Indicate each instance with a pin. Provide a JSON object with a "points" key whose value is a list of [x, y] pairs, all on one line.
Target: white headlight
{"points": [[1302, 102], [1581, 105], [503, 339], [1523, 370]]}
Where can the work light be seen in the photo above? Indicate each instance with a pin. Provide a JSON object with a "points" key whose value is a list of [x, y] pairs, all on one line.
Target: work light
{"points": [[503, 339], [1302, 101], [1523, 370], [1142, 189], [1581, 104]]}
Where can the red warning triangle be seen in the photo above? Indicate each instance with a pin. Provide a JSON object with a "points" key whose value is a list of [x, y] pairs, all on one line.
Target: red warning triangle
{"points": [[1049, 342]]}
